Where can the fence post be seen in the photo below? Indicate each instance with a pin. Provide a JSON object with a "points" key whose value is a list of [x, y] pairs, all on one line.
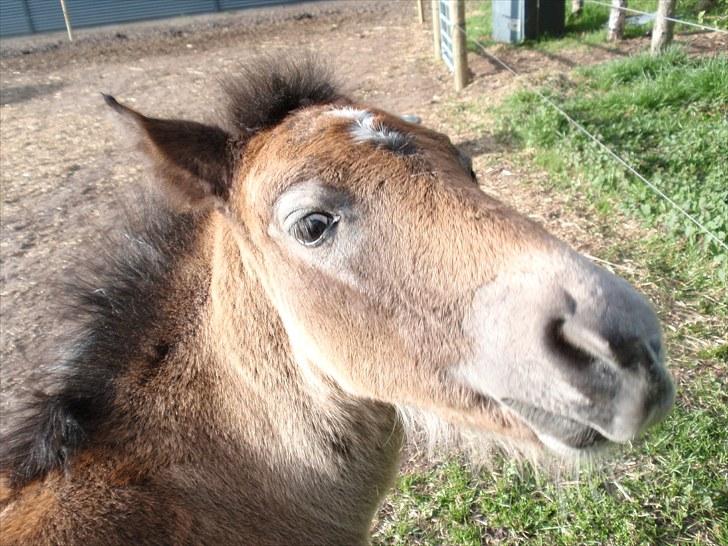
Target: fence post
{"points": [[616, 21], [436, 29], [662, 29], [459, 45], [421, 11], [67, 19]]}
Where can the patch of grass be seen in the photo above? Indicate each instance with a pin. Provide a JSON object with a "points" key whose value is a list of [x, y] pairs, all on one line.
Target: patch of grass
{"points": [[479, 25], [666, 116], [672, 490]]}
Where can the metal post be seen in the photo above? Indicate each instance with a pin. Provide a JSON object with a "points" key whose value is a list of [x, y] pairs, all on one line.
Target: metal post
{"points": [[459, 45], [436, 29], [421, 11], [662, 29], [67, 18]]}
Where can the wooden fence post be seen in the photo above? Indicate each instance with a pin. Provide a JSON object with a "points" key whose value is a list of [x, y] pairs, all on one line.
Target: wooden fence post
{"points": [[421, 11], [436, 29], [617, 17], [662, 29], [67, 19], [459, 44]]}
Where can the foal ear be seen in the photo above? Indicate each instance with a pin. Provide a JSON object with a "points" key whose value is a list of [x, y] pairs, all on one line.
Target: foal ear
{"points": [[193, 160]]}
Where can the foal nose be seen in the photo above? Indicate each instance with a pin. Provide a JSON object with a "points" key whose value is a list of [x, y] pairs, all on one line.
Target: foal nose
{"points": [[611, 350], [566, 337]]}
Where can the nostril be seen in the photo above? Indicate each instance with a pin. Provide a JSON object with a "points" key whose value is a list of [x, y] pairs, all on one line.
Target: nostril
{"points": [[578, 345], [561, 346]]}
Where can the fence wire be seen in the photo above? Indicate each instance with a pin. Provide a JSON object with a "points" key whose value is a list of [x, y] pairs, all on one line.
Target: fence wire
{"points": [[688, 23], [605, 148]]}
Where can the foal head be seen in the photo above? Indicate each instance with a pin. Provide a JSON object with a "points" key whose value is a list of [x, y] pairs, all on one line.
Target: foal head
{"points": [[397, 279]]}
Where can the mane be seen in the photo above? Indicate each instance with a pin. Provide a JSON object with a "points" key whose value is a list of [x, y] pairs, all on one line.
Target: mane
{"points": [[116, 300], [265, 90], [113, 303]]}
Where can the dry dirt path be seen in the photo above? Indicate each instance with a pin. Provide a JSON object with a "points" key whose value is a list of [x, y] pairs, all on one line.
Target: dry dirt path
{"points": [[65, 173]]}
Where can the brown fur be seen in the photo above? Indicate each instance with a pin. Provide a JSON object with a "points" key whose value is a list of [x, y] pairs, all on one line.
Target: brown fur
{"points": [[250, 395]]}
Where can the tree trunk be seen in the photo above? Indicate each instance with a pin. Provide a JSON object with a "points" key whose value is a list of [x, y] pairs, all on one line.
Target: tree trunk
{"points": [[616, 21], [662, 31], [577, 6]]}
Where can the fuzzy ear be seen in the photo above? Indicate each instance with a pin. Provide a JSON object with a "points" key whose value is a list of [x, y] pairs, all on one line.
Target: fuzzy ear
{"points": [[193, 160]]}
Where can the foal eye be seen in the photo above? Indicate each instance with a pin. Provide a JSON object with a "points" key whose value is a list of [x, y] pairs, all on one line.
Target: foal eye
{"points": [[311, 229]]}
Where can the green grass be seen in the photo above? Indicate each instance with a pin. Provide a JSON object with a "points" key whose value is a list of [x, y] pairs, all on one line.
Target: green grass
{"points": [[667, 116], [672, 491], [589, 27]]}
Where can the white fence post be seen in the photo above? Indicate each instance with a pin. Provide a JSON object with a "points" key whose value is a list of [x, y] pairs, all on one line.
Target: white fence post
{"points": [[617, 18], [459, 43], [67, 19], [436, 29], [662, 30]]}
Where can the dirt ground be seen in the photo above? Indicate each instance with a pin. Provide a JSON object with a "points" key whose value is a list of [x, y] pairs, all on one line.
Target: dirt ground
{"points": [[65, 169]]}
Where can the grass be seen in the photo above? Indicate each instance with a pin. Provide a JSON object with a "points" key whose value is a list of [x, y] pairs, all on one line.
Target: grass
{"points": [[668, 117], [589, 27], [661, 495], [672, 490]]}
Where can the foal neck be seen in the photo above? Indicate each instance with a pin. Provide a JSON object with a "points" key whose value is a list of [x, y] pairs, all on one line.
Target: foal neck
{"points": [[314, 460]]}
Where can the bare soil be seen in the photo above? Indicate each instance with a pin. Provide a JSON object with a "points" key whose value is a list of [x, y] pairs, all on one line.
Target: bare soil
{"points": [[66, 170]]}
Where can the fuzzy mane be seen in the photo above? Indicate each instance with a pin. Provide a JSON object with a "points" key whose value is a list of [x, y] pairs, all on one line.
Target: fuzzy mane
{"points": [[113, 303], [116, 300], [266, 90]]}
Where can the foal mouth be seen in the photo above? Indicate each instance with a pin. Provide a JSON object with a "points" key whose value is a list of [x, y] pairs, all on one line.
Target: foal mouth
{"points": [[550, 427]]}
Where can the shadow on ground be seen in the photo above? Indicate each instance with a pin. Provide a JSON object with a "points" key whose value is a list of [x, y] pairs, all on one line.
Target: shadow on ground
{"points": [[22, 93]]}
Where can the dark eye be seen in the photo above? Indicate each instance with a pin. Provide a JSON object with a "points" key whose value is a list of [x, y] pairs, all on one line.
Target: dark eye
{"points": [[310, 230]]}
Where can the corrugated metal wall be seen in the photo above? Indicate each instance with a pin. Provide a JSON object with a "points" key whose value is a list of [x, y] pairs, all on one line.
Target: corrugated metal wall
{"points": [[28, 16]]}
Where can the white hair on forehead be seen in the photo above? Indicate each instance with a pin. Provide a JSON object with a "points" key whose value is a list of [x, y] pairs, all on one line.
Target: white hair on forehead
{"points": [[348, 112], [367, 128]]}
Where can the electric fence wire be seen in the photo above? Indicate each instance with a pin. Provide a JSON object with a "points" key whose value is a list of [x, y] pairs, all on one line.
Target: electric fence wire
{"points": [[604, 147], [688, 23]]}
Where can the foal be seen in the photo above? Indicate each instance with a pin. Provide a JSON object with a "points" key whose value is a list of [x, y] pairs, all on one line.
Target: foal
{"points": [[243, 361]]}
